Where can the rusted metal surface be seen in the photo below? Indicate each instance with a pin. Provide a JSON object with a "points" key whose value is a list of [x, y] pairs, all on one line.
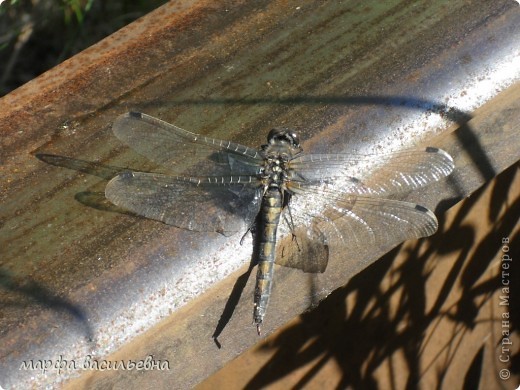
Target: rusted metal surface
{"points": [[80, 277]]}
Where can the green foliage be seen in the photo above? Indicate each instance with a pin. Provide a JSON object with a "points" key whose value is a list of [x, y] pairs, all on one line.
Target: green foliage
{"points": [[37, 35], [75, 7]]}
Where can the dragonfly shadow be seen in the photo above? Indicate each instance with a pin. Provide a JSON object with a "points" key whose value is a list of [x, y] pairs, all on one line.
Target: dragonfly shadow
{"points": [[34, 293], [236, 293], [231, 303], [387, 313], [91, 199], [106, 172]]}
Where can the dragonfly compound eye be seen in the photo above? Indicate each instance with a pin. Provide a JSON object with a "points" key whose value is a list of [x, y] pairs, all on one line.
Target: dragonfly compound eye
{"points": [[280, 134]]}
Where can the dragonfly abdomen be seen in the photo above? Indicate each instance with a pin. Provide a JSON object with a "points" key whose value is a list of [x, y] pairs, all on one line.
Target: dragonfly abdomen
{"points": [[271, 210]]}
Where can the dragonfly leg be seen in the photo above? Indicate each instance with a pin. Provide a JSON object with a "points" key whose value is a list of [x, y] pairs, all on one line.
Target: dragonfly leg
{"points": [[251, 229], [289, 221]]}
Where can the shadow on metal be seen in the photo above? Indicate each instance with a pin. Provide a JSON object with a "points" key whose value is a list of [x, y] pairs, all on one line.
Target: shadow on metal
{"points": [[233, 299], [34, 293]]}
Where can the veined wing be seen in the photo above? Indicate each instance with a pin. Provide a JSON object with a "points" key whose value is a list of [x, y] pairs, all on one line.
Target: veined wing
{"points": [[375, 174], [182, 151], [222, 204], [352, 221], [356, 218]]}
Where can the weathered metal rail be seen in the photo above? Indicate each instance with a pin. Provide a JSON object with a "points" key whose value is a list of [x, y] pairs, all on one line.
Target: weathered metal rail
{"points": [[79, 277]]}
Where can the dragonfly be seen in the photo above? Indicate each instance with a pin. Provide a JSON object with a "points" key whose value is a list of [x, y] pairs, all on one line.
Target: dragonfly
{"points": [[322, 201]]}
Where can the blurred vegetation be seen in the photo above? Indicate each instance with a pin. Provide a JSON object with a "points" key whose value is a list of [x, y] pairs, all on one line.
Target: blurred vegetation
{"points": [[36, 35]]}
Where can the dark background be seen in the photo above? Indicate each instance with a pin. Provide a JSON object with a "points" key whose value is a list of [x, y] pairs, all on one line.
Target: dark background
{"points": [[37, 35]]}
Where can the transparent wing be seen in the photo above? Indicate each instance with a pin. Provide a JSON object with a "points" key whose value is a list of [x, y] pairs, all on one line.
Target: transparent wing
{"points": [[325, 220], [374, 174], [226, 204], [182, 151]]}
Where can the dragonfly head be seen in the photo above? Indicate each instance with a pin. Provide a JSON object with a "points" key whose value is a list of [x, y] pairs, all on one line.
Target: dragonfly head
{"points": [[280, 134]]}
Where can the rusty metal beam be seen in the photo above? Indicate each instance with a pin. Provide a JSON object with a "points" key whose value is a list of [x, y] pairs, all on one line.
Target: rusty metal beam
{"points": [[80, 277]]}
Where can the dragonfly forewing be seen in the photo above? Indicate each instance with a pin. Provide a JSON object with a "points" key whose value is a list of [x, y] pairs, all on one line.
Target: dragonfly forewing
{"points": [[179, 150]]}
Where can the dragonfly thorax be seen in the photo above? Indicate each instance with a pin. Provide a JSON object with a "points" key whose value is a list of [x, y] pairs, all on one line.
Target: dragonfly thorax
{"points": [[283, 146], [278, 153], [274, 172]]}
